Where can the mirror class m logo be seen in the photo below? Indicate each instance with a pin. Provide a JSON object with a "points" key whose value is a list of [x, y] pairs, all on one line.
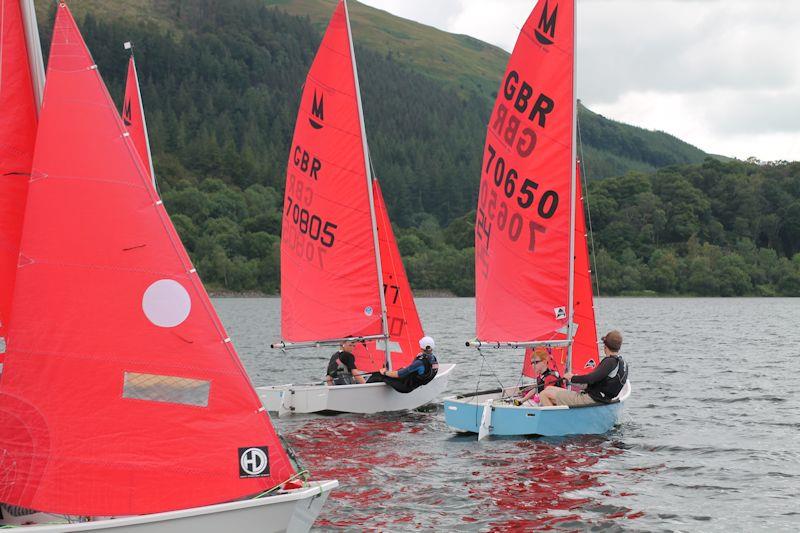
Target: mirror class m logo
{"points": [[126, 114], [547, 25], [253, 462], [317, 117]]}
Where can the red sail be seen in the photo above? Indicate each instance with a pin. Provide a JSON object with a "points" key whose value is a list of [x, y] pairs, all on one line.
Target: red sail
{"points": [[522, 226], [329, 274], [585, 355], [133, 117], [17, 137], [121, 393], [405, 328]]}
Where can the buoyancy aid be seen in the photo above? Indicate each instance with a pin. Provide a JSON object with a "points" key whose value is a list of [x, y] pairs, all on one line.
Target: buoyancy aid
{"points": [[550, 378], [431, 368], [605, 390]]}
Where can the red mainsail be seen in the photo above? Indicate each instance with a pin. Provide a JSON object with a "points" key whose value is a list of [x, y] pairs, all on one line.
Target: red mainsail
{"points": [[523, 215], [329, 272], [17, 138], [133, 117], [405, 328], [121, 392]]}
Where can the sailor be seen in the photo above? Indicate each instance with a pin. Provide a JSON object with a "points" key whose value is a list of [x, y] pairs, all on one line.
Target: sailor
{"points": [[342, 366], [420, 372], [603, 384], [546, 376]]}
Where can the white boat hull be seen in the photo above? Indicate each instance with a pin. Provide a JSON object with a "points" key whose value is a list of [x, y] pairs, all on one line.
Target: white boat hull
{"points": [[360, 398], [294, 512], [487, 414]]}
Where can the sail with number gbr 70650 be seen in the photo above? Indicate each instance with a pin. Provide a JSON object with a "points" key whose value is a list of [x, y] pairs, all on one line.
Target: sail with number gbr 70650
{"points": [[522, 228], [329, 273], [121, 393]]}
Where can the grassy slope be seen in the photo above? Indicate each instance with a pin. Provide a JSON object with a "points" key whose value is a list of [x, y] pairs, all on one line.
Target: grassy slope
{"points": [[472, 64]]}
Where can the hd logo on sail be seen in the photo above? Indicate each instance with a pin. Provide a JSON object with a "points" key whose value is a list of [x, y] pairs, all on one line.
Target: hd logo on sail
{"points": [[254, 462]]}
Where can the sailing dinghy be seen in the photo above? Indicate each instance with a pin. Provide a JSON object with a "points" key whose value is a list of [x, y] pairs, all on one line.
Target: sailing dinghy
{"points": [[122, 395], [341, 271], [533, 284]]}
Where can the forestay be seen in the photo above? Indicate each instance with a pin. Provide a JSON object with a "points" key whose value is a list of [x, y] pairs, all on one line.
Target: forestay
{"points": [[121, 392]]}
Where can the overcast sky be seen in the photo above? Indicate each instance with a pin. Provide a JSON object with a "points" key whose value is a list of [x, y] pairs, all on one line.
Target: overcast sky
{"points": [[723, 75]]}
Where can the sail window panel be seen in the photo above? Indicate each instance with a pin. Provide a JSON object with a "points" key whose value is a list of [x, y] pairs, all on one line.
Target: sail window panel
{"points": [[168, 389]]}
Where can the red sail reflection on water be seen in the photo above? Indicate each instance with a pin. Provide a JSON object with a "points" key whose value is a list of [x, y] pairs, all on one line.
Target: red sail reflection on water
{"points": [[403, 473]]}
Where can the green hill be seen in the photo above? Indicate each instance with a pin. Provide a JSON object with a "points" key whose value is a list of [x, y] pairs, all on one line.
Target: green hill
{"points": [[221, 83]]}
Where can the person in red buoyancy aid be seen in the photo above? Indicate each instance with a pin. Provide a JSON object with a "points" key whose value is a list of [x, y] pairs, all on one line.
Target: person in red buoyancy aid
{"points": [[545, 372]]}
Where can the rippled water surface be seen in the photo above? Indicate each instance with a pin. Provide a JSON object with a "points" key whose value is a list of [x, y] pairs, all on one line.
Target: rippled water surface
{"points": [[709, 441]]}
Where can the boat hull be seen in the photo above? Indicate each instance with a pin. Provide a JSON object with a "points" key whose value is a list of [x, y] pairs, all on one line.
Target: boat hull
{"points": [[294, 512], [465, 414], [361, 398]]}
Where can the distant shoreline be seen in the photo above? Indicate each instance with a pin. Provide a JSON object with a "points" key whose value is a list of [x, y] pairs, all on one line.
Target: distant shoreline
{"points": [[433, 293]]}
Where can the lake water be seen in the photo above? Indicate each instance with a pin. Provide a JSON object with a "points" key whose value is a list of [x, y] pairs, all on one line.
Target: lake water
{"points": [[709, 440]]}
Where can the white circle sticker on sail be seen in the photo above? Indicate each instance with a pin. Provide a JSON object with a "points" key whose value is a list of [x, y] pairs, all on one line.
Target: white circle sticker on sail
{"points": [[166, 303]]}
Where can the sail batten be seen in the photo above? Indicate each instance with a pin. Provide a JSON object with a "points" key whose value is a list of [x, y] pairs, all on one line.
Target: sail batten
{"points": [[121, 392]]}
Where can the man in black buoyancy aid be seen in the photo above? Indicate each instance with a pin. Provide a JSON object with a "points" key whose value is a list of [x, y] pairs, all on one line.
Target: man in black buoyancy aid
{"points": [[342, 366], [420, 372], [603, 384]]}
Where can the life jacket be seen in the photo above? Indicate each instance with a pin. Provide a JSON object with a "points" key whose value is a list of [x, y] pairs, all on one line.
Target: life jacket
{"points": [[550, 378], [431, 368], [605, 390], [342, 375]]}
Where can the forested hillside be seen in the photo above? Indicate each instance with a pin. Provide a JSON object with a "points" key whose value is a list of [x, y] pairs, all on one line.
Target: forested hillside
{"points": [[221, 82]]}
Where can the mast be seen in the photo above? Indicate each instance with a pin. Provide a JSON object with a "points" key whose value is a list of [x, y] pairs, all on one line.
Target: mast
{"points": [[384, 320], [573, 179], [35, 60]]}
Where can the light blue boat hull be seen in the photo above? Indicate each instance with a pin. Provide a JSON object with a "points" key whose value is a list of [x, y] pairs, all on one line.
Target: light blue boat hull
{"points": [[464, 414]]}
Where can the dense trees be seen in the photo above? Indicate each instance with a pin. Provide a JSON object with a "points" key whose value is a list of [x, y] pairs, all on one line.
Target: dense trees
{"points": [[221, 89]]}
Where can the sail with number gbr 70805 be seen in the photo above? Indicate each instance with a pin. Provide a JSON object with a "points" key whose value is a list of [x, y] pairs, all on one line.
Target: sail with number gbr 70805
{"points": [[121, 393], [523, 216], [329, 272], [17, 138]]}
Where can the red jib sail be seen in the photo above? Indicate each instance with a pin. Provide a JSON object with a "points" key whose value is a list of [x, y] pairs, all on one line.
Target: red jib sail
{"points": [[329, 273], [133, 117], [121, 393], [522, 226], [17, 137], [585, 355], [405, 328]]}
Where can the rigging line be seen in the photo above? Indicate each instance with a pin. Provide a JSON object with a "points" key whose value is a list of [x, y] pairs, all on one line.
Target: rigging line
{"points": [[478, 384], [585, 190]]}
